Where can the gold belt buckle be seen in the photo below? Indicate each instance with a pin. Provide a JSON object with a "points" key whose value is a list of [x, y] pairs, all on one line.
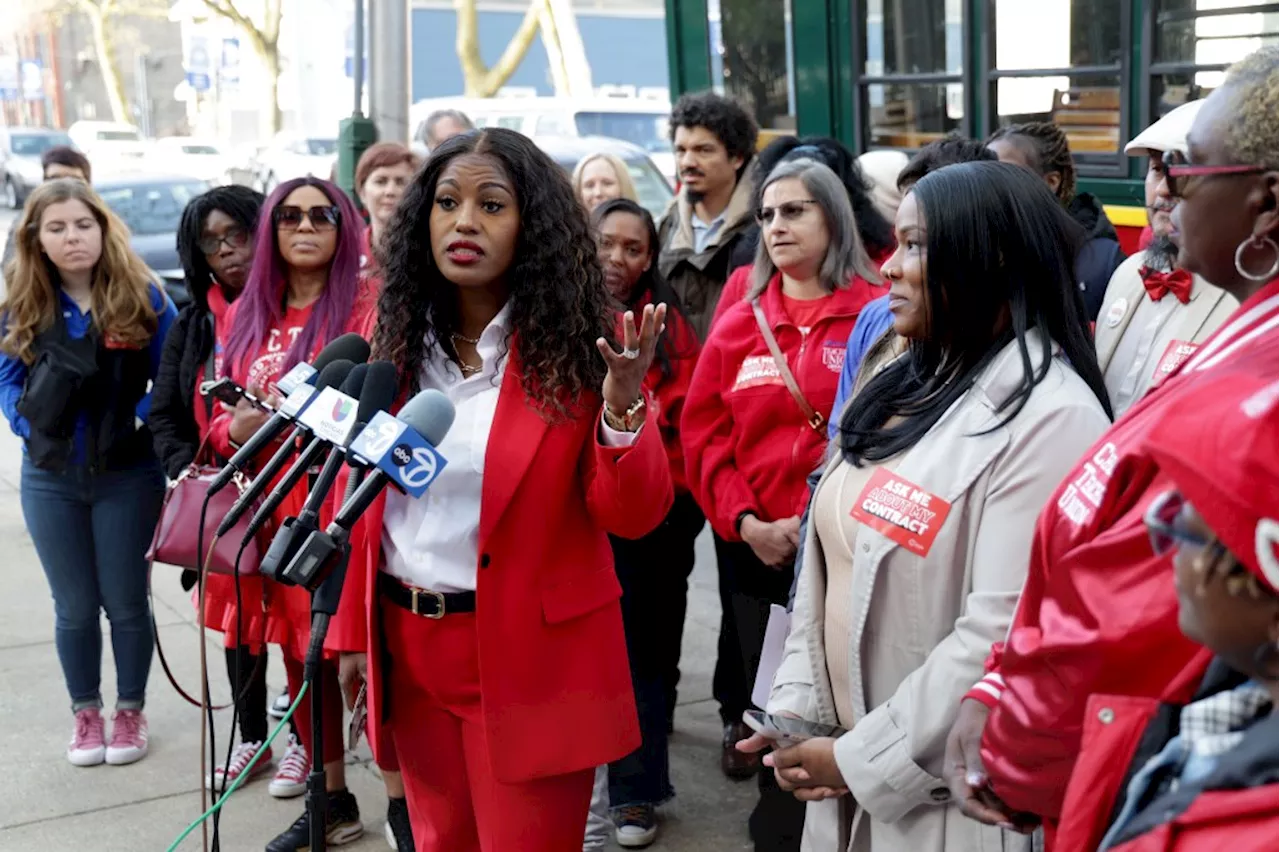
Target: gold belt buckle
{"points": [[416, 593]]}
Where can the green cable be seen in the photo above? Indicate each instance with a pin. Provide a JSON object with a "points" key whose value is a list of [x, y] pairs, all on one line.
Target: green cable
{"points": [[244, 775]]}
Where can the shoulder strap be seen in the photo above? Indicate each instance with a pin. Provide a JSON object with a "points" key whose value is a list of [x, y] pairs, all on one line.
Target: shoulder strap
{"points": [[816, 420]]}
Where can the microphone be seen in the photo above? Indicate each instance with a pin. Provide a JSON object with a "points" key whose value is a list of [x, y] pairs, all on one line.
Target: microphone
{"points": [[377, 395], [351, 347], [403, 451], [326, 418], [335, 373]]}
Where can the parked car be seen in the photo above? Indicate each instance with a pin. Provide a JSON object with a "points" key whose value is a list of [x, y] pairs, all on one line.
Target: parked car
{"points": [[641, 121], [109, 145], [151, 205], [290, 156], [654, 192], [20, 152], [186, 155]]}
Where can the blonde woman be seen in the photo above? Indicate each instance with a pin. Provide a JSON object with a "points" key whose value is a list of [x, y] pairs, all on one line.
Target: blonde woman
{"points": [[83, 325], [602, 177]]}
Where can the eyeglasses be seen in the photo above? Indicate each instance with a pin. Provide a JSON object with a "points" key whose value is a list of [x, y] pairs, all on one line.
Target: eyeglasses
{"points": [[287, 217], [1176, 166], [234, 238], [1166, 531], [789, 211]]}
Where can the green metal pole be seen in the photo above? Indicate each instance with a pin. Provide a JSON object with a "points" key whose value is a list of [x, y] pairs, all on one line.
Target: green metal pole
{"points": [[358, 132]]}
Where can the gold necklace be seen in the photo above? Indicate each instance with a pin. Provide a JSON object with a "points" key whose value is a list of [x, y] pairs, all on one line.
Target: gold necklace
{"points": [[473, 341]]}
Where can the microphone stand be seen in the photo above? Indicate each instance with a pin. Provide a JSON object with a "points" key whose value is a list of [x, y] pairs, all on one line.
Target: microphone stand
{"points": [[324, 604]]}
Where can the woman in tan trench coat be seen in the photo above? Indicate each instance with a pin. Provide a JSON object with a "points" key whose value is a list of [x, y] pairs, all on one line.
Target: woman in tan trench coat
{"points": [[920, 529]]}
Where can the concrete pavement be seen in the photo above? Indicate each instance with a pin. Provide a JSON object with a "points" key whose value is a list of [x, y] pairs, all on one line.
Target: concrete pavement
{"points": [[50, 805]]}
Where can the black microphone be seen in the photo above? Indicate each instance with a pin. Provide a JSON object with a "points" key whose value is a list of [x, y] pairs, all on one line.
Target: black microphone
{"points": [[351, 347], [402, 460], [334, 374], [351, 389]]}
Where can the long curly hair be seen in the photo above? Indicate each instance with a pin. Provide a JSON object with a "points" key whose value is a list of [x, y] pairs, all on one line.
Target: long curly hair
{"points": [[263, 300], [120, 287], [558, 301]]}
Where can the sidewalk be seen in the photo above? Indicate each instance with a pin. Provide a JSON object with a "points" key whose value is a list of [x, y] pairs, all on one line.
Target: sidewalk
{"points": [[50, 805]]}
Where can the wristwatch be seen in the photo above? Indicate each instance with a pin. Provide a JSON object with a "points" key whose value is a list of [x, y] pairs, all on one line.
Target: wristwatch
{"points": [[625, 422]]}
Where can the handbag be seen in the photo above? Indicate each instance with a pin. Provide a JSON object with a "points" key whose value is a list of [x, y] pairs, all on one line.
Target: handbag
{"points": [[175, 538], [812, 415]]}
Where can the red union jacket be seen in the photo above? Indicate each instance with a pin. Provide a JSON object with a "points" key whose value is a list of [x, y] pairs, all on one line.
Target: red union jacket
{"points": [[557, 693], [1233, 808], [1099, 613], [747, 446]]}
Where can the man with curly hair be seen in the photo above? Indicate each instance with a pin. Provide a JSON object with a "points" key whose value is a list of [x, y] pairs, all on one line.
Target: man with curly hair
{"points": [[715, 142]]}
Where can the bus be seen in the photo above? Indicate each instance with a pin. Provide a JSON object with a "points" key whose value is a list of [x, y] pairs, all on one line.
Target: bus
{"points": [[900, 73]]}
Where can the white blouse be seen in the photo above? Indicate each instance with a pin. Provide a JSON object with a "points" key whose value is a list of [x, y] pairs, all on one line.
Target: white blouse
{"points": [[433, 542]]}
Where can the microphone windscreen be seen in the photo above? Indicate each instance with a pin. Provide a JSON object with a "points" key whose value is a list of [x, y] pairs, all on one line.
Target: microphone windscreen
{"points": [[350, 347], [334, 374], [430, 414], [379, 394], [353, 384]]}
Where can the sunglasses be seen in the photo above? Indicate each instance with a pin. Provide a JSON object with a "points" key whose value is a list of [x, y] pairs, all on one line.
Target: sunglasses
{"points": [[234, 238], [287, 217], [1176, 166], [789, 211], [1165, 529]]}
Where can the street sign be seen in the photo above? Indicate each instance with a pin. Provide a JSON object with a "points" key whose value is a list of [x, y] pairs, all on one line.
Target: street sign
{"points": [[229, 67], [10, 79], [32, 80], [197, 62]]}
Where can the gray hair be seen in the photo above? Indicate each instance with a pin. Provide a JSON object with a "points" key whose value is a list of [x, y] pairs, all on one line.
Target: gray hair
{"points": [[846, 255], [440, 115]]}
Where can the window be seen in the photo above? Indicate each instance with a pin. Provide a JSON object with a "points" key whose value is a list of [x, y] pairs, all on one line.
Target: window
{"points": [[646, 129], [752, 58], [511, 122], [152, 208], [910, 55], [1063, 61], [35, 144], [550, 124], [1192, 42]]}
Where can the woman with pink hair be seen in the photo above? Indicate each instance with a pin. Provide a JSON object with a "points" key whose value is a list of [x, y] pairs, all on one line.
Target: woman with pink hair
{"points": [[304, 289]]}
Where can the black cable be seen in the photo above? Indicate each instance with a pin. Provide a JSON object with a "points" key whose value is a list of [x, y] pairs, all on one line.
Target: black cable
{"points": [[239, 691], [202, 558]]}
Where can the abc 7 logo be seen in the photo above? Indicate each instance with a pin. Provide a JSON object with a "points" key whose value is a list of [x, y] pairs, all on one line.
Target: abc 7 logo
{"points": [[417, 466]]}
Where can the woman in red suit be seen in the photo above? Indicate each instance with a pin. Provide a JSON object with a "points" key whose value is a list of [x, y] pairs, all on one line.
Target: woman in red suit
{"points": [[490, 606]]}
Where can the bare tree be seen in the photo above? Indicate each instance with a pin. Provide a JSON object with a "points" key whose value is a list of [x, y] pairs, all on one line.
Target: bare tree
{"points": [[264, 37], [479, 80]]}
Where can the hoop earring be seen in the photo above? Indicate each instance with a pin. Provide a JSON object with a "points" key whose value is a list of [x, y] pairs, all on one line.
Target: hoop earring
{"points": [[1257, 242], [1264, 660]]}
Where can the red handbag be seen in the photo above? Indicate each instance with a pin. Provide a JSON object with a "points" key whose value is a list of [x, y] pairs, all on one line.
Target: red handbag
{"points": [[174, 542]]}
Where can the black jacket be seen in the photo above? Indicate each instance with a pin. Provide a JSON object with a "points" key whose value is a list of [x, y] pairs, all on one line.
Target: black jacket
{"points": [[1100, 254], [173, 420]]}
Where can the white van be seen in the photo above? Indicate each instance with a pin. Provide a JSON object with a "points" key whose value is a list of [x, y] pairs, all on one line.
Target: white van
{"points": [[109, 145], [640, 121]]}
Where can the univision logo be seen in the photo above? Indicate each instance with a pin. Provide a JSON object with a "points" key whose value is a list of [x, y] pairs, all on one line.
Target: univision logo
{"points": [[342, 408]]}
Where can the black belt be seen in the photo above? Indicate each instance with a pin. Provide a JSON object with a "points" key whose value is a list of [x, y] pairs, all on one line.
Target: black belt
{"points": [[422, 602]]}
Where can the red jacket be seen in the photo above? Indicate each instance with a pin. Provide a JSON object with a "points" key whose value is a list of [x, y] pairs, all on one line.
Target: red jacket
{"points": [[669, 391], [556, 692], [748, 447], [1099, 613], [1235, 810]]}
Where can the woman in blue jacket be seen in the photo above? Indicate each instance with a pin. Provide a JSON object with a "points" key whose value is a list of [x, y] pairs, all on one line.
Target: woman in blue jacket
{"points": [[81, 331]]}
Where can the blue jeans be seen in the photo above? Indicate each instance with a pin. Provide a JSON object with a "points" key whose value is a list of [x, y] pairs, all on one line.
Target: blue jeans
{"points": [[91, 532]]}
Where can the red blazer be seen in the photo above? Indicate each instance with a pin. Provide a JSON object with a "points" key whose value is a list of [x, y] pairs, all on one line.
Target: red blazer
{"points": [[557, 691]]}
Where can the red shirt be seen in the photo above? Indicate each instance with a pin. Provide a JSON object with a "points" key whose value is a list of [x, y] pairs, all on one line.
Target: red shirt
{"points": [[272, 613], [1099, 613], [748, 446]]}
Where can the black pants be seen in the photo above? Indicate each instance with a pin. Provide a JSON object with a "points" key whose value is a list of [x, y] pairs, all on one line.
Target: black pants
{"points": [[654, 573], [250, 691], [751, 587]]}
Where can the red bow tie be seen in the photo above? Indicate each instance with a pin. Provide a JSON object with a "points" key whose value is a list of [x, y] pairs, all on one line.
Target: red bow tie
{"points": [[1177, 282]]}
